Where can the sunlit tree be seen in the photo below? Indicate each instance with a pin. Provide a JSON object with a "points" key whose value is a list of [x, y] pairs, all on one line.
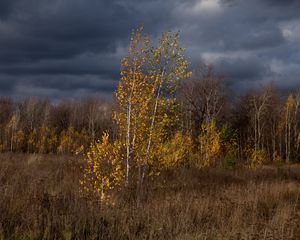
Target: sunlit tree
{"points": [[103, 168], [146, 97]]}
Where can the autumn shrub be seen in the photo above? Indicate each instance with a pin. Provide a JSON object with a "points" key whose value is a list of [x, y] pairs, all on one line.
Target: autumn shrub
{"points": [[229, 162], [257, 158], [103, 170], [209, 145], [70, 141], [277, 159], [175, 152]]}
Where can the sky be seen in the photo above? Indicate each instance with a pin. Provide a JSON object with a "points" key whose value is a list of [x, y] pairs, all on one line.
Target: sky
{"points": [[72, 48]]}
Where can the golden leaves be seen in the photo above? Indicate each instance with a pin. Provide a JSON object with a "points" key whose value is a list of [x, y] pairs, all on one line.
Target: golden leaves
{"points": [[290, 102], [146, 115], [103, 170], [174, 153], [257, 158], [209, 143], [146, 104]]}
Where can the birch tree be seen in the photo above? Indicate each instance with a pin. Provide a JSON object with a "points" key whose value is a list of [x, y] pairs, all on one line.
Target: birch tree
{"points": [[289, 109], [133, 96], [146, 98]]}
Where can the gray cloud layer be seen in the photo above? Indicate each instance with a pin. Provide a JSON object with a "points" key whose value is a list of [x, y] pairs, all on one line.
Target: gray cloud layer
{"points": [[66, 48]]}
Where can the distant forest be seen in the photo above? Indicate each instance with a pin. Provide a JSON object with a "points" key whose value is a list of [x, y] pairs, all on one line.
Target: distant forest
{"points": [[261, 119]]}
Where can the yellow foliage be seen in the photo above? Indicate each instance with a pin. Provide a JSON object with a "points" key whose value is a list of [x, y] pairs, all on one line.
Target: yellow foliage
{"points": [[298, 140], [79, 150], [290, 102], [277, 159], [210, 144], [71, 140], [103, 170], [20, 138], [13, 122], [256, 158], [66, 141], [146, 104], [32, 142], [51, 141], [175, 152]]}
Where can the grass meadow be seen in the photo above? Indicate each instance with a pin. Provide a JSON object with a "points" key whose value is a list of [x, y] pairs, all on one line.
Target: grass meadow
{"points": [[40, 199]]}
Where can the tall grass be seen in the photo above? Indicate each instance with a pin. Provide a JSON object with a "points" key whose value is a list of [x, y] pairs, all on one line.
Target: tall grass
{"points": [[40, 199]]}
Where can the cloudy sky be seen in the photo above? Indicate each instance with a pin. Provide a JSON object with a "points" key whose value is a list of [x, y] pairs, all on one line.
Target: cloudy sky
{"points": [[70, 48]]}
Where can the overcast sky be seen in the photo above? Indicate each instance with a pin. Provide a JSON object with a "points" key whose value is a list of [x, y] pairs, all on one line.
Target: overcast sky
{"points": [[69, 48]]}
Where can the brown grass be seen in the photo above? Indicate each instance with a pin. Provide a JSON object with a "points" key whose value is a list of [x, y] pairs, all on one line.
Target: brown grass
{"points": [[39, 199]]}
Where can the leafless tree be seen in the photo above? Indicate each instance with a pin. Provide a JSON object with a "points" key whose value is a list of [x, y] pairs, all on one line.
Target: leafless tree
{"points": [[203, 97]]}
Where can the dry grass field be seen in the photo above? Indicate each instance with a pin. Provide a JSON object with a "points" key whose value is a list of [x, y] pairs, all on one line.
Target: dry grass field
{"points": [[40, 199]]}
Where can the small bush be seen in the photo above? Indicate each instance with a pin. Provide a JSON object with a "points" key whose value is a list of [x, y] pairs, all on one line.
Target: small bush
{"points": [[229, 162]]}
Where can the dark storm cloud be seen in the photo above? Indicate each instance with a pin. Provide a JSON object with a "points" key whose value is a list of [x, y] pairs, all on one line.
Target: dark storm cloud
{"points": [[239, 69], [7, 84], [244, 38], [63, 29], [6, 7], [59, 48]]}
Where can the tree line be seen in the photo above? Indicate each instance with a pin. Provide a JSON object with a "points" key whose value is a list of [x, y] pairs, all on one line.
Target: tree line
{"points": [[35, 125]]}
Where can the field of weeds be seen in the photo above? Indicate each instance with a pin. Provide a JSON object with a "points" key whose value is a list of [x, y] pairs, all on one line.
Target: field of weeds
{"points": [[40, 199]]}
